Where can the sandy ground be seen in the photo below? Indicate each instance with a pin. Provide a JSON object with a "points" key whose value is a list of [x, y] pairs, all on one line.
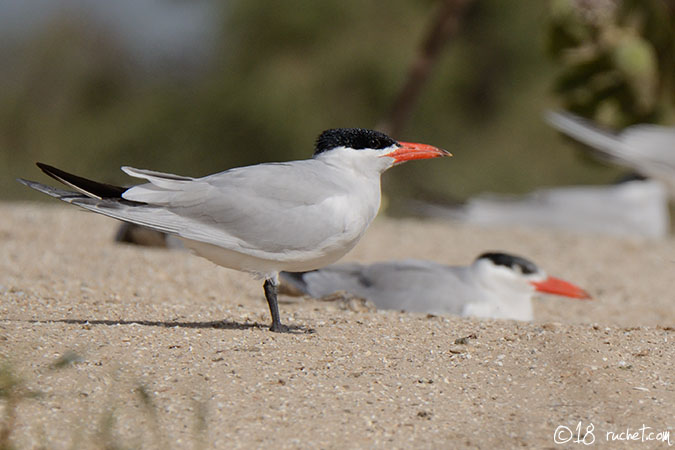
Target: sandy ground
{"points": [[170, 351]]}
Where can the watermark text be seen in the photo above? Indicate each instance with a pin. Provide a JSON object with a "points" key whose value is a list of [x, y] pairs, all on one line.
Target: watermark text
{"points": [[585, 434]]}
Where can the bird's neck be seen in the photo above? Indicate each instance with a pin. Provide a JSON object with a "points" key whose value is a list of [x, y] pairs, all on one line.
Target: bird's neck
{"points": [[367, 163]]}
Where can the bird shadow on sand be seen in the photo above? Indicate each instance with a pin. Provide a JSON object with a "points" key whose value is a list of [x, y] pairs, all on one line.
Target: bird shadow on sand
{"points": [[218, 324]]}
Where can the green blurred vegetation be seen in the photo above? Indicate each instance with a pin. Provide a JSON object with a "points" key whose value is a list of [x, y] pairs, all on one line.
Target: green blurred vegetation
{"points": [[284, 72], [617, 59], [147, 430]]}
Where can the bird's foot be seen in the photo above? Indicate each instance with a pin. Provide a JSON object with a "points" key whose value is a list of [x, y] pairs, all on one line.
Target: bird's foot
{"points": [[277, 327]]}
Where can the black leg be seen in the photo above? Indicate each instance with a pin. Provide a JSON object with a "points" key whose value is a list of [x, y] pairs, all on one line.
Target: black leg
{"points": [[270, 287]]}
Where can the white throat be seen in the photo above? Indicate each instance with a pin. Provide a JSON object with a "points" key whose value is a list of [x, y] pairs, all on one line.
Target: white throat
{"points": [[367, 161], [508, 293]]}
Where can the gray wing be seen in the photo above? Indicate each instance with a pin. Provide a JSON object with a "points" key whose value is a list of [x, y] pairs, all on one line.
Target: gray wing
{"points": [[650, 145], [257, 209], [322, 282], [410, 285], [606, 142], [648, 149]]}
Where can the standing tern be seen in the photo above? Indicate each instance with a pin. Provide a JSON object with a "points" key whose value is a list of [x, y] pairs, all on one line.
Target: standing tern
{"points": [[497, 285], [647, 149], [262, 219]]}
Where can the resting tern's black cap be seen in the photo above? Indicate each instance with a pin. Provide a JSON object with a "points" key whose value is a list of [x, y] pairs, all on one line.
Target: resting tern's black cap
{"points": [[504, 259]]}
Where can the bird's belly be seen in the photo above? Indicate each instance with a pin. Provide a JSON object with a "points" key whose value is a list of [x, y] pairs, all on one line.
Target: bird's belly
{"points": [[268, 264], [494, 311], [298, 249]]}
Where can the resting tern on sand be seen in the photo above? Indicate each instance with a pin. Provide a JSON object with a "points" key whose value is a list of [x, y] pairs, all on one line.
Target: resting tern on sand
{"points": [[635, 207], [496, 285], [295, 216], [647, 149]]}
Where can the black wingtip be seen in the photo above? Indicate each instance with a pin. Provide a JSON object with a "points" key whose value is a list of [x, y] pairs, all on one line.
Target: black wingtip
{"points": [[51, 170], [45, 167], [89, 187]]}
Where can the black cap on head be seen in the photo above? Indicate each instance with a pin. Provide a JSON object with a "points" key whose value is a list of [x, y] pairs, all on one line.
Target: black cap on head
{"points": [[356, 138], [504, 259]]}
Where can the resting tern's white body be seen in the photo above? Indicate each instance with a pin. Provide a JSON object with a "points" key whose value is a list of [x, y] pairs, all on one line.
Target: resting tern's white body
{"points": [[635, 208], [262, 219], [496, 285], [647, 149]]}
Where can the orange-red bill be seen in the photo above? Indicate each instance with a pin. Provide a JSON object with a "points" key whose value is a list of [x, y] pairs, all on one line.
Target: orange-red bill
{"points": [[410, 150], [556, 286]]}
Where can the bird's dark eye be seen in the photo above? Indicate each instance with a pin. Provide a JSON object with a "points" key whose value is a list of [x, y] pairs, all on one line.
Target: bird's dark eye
{"points": [[356, 138], [519, 263]]}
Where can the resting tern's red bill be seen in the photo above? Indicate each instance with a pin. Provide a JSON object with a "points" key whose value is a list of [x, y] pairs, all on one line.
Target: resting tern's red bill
{"points": [[647, 149], [293, 216], [496, 285]]}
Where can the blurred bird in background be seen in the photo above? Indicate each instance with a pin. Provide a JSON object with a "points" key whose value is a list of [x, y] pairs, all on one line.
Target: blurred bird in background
{"points": [[646, 149], [634, 207]]}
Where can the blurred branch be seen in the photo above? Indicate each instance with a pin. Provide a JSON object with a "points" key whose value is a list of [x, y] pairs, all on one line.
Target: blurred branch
{"points": [[444, 25]]}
